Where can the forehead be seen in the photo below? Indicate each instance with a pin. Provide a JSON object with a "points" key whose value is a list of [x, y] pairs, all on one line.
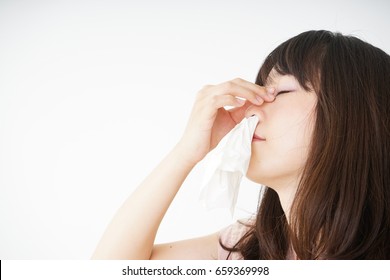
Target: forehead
{"points": [[274, 77]]}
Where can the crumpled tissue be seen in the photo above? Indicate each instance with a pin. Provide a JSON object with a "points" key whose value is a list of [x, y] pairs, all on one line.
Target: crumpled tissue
{"points": [[226, 164]]}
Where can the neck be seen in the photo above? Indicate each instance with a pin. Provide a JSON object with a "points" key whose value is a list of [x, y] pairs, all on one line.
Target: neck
{"points": [[286, 196]]}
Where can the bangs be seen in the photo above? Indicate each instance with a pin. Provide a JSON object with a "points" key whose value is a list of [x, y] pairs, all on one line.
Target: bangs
{"points": [[301, 57]]}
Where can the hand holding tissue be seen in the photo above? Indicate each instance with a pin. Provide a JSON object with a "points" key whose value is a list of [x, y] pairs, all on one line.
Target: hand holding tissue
{"points": [[226, 164]]}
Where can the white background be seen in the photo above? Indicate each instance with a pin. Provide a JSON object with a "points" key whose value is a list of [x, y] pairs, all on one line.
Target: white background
{"points": [[93, 94]]}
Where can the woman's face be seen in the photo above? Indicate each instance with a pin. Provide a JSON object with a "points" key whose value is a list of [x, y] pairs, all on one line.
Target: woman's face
{"points": [[282, 138]]}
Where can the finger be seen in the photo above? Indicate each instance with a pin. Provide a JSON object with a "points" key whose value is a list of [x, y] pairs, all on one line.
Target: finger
{"points": [[266, 93], [238, 113], [231, 88], [219, 101], [209, 107]]}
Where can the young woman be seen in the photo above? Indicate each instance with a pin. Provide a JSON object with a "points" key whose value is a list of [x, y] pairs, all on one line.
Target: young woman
{"points": [[322, 148]]}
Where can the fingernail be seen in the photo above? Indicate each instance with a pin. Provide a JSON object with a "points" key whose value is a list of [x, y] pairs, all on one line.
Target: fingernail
{"points": [[260, 100], [241, 101], [270, 90]]}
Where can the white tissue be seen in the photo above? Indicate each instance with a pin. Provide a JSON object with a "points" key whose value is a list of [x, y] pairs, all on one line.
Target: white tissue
{"points": [[226, 164]]}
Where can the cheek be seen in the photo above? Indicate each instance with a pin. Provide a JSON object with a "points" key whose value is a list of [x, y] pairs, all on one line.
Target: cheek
{"points": [[282, 155], [295, 144]]}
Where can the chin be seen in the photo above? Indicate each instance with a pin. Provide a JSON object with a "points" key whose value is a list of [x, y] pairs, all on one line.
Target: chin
{"points": [[252, 177], [255, 175]]}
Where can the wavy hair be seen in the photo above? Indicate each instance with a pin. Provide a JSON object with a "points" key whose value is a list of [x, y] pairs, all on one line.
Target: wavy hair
{"points": [[341, 209]]}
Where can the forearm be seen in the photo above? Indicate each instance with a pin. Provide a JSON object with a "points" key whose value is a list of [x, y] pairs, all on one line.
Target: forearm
{"points": [[132, 232]]}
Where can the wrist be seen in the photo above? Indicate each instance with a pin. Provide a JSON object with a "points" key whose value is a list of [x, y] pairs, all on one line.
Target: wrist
{"points": [[182, 155]]}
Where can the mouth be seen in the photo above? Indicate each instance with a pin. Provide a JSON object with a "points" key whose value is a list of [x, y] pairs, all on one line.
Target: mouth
{"points": [[257, 138]]}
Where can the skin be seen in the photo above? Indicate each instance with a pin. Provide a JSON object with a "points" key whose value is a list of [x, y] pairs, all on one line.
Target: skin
{"points": [[286, 126], [131, 236]]}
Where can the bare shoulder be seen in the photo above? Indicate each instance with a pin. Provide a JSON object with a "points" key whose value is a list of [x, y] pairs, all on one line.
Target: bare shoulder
{"points": [[201, 248]]}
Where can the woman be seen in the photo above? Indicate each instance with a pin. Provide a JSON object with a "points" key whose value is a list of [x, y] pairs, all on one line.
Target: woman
{"points": [[322, 148]]}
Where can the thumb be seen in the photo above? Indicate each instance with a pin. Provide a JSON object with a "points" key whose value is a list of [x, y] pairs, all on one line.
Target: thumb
{"points": [[238, 113]]}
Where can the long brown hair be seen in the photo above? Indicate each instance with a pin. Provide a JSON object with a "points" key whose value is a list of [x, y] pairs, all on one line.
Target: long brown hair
{"points": [[342, 206]]}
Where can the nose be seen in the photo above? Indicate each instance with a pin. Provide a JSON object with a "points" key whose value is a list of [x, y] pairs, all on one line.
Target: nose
{"points": [[253, 110]]}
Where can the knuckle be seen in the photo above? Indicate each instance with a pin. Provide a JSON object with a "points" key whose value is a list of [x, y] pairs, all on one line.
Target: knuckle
{"points": [[206, 87], [237, 80], [213, 100], [229, 84], [201, 93]]}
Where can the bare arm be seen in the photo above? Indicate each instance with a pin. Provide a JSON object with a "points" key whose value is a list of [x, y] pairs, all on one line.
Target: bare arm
{"points": [[202, 248], [132, 232]]}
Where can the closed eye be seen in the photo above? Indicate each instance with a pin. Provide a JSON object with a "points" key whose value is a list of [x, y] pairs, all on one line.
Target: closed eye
{"points": [[282, 92]]}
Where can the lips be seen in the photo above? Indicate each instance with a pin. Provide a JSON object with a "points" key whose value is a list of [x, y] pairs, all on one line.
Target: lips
{"points": [[257, 138]]}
